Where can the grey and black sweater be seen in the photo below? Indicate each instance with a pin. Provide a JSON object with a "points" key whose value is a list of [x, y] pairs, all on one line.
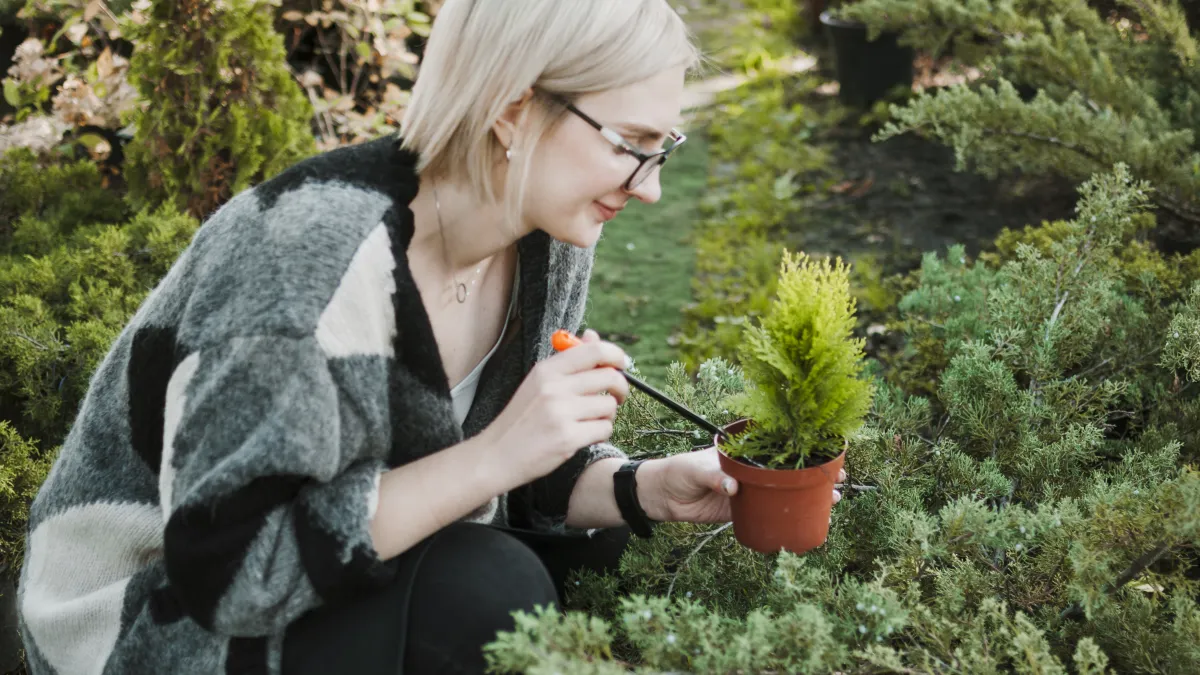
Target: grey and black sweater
{"points": [[222, 472]]}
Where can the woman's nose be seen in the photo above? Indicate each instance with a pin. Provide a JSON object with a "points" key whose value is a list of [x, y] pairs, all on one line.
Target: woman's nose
{"points": [[649, 190]]}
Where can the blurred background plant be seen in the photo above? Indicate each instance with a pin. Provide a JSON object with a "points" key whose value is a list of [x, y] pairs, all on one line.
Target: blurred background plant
{"points": [[357, 60], [123, 124]]}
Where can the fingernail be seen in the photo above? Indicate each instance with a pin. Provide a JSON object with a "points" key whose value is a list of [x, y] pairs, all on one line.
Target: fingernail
{"points": [[727, 486]]}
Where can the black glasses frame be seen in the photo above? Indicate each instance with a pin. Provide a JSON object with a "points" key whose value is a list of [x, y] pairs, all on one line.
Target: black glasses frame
{"points": [[647, 162]]}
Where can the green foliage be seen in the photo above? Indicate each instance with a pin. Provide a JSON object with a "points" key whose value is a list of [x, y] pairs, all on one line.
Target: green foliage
{"points": [[1032, 513], [22, 470], [749, 36], [545, 642], [805, 396], [226, 112], [1109, 91], [758, 149], [45, 201], [648, 429], [75, 266], [1182, 349]]}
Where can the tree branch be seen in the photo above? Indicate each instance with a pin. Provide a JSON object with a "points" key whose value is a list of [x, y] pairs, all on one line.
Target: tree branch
{"points": [[856, 488], [1135, 568], [1054, 315], [708, 538], [1140, 360], [1178, 208], [665, 432], [30, 340], [1175, 206]]}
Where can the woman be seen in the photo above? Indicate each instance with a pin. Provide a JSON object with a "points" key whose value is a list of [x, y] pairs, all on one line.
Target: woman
{"points": [[334, 438]]}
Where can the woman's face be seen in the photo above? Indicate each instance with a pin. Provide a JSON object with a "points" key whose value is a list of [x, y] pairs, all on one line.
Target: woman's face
{"points": [[577, 176]]}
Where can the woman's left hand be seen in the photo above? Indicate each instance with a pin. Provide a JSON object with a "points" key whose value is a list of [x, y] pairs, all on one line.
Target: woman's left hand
{"points": [[691, 487]]}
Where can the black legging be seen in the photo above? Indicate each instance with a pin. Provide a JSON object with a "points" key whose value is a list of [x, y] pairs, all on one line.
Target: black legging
{"points": [[452, 593]]}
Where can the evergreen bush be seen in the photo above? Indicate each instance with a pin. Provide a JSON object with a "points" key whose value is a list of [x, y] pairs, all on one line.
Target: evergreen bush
{"points": [[1109, 90], [1037, 514], [220, 110], [23, 467], [75, 264]]}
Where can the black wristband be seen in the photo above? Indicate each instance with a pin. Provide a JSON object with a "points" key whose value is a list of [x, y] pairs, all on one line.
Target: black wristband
{"points": [[625, 490]]}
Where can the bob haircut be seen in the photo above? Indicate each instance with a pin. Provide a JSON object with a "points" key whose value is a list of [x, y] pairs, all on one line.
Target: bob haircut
{"points": [[483, 55]]}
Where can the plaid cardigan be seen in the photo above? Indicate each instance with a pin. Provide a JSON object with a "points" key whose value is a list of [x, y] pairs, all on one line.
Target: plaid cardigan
{"points": [[222, 472]]}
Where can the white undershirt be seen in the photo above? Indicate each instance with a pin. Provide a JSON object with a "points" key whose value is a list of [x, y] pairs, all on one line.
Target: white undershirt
{"points": [[463, 393]]}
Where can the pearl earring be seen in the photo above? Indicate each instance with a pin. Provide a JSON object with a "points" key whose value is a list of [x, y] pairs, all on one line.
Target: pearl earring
{"points": [[508, 155]]}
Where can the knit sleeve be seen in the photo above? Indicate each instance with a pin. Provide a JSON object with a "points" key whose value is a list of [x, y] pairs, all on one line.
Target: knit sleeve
{"points": [[550, 495], [267, 512]]}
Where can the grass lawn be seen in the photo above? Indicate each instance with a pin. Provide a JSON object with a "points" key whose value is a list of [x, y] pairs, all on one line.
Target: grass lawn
{"points": [[645, 261]]}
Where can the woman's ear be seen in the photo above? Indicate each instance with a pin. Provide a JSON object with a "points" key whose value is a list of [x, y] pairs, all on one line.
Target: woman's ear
{"points": [[507, 125]]}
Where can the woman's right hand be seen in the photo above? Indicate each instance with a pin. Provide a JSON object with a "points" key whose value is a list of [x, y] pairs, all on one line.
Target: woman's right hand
{"points": [[558, 409]]}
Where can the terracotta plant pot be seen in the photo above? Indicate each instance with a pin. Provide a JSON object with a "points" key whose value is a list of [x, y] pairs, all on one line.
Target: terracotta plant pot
{"points": [[780, 508]]}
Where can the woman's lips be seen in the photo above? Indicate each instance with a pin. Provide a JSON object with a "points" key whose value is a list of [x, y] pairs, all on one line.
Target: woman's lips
{"points": [[606, 213]]}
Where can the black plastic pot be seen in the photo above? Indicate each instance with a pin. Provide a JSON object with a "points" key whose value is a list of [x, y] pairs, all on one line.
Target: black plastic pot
{"points": [[866, 71]]}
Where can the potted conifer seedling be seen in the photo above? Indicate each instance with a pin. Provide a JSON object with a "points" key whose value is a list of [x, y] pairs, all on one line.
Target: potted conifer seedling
{"points": [[803, 397]]}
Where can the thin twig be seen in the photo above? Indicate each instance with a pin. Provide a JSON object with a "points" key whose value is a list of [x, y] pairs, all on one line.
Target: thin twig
{"points": [[665, 432], [941, 428], [1054, 315], [1052, 140], [343, 52], [1135, 568], [931, 323], [1139, 361], [30, 340], [856, 488], [675, 577], [326, 53], [1180, 209]]}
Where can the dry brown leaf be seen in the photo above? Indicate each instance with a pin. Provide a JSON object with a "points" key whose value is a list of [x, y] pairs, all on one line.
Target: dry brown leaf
{"points": [[93, 8], [104, 63], [864, 186]]}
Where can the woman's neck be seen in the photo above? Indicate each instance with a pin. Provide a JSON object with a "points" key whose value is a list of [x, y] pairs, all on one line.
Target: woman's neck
{"points": [[468, 234]]}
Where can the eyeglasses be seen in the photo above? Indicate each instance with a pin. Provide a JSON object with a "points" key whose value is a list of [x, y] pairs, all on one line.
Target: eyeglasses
{"points": [[647, 163]]}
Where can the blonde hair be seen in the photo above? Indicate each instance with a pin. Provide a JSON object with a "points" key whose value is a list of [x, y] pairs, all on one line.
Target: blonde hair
{"points": [[483, 55]]}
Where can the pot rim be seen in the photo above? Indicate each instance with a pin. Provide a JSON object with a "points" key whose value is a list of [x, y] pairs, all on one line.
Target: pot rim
{"points": [[792, 478], [759, 471]]}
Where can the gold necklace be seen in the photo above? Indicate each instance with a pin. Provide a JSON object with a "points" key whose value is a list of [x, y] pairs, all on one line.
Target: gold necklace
{"points": [[460, 289]]}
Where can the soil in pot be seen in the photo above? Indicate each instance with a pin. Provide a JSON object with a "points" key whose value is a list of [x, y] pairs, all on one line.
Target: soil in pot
{"points": [[866, 71], [778, 509]]}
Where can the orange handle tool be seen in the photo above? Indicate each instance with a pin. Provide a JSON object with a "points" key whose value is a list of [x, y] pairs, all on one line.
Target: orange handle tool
{"points": [[562, 340]]}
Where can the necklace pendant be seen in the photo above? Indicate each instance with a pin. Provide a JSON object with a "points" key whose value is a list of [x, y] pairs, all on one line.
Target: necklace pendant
{"points": [[460, 293]]}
